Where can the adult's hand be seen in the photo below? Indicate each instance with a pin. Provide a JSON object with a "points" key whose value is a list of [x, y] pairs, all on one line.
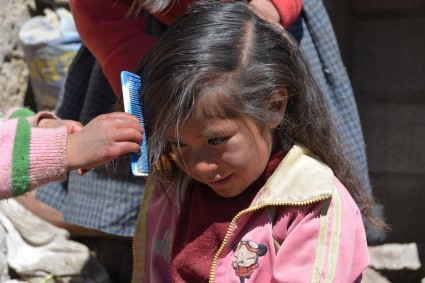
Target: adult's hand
{"points": [[266, 10]]}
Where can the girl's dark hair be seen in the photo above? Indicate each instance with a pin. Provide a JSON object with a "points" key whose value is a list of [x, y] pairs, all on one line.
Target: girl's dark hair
{"points": [[223, 57]]}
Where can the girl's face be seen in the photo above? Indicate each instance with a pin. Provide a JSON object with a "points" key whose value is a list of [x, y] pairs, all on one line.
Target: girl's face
{"points": [[226, 155]]}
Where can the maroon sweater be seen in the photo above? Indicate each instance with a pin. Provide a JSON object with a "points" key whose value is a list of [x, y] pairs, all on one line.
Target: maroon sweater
{"points": [[203, 223]]}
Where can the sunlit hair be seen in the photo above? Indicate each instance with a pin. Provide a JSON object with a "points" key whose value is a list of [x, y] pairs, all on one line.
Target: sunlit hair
{"points": [[221, 60]]}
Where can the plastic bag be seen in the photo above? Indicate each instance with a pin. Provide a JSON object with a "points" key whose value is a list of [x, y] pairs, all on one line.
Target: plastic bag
{"points": [[50, 43]]}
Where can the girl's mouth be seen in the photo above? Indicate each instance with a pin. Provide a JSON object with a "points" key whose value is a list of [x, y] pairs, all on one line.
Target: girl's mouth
{"points": [[222, 182]]}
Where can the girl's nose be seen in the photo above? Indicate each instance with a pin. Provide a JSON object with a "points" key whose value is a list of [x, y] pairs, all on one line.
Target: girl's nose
{"points": [[205, 166]]}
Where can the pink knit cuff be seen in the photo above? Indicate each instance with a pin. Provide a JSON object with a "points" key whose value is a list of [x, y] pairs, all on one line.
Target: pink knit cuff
{"points": [[48, 155], [40, 116]]}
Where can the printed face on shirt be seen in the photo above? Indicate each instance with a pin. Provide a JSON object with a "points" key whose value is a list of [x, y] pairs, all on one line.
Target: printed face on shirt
{"points": [[225, 154], [245, 255]]}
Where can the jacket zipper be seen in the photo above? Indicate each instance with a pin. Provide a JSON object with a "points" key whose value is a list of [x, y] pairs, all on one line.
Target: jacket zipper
{"points": [[233, 222], [133, 244]]}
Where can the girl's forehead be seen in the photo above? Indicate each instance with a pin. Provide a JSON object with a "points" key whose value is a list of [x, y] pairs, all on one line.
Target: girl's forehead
{"points": [[200, 123], [208, 127]]}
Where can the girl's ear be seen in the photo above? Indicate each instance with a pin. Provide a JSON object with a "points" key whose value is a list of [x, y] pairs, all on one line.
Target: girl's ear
{"points": [[277, 105]]}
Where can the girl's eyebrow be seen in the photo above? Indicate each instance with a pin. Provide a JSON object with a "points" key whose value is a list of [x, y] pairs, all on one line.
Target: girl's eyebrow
{"points": [[213, 133]]}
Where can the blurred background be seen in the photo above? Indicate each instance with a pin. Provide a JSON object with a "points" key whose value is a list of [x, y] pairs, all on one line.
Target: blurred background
{"points": [[383, 46]]}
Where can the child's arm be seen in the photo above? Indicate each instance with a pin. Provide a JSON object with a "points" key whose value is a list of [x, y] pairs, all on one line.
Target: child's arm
{"points": [[32, 156], [102, 140], [323, 240]]}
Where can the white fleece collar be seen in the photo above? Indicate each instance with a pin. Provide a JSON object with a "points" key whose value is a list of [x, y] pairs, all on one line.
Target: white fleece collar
{"points": [[299, 178]]}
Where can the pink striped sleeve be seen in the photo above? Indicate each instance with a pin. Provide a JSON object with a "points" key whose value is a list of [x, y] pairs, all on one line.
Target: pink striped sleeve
{"points": [[7, 138], [47, 157]]}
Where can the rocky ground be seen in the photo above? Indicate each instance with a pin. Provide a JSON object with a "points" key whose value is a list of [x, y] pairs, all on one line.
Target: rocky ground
{"points": [[390, 262]]}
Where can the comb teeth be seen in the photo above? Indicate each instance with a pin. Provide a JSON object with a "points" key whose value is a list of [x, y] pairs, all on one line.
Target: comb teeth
{"points": [[131, 88]]}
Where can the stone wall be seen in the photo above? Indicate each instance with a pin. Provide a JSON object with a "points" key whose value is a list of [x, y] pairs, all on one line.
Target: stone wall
{"points": [[382, 43], [387, 67], [13, 70]]}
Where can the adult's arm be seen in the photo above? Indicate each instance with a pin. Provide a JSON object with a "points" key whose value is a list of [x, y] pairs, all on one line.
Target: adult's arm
{"points": [[288, 10], [284, 12], [119, 41], [116, 40]]}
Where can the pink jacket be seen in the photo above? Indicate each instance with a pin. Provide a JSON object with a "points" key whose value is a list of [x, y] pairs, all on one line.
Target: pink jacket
{"points": [[303, 226], [29, 156]]}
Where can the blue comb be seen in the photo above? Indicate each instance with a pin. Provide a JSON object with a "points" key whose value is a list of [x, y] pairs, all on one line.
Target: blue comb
{"points": [[130, 88]]}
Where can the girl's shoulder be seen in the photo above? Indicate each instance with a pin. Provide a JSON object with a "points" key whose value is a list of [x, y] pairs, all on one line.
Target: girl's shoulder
{"points": [[337, 216]]}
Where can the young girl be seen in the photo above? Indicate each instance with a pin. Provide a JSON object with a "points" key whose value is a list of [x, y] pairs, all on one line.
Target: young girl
{"points": [[37, 149], [252, 189]]}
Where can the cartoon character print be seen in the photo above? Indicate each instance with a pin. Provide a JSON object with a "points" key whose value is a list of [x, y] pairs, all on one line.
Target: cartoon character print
{"points": [[245, 258]]}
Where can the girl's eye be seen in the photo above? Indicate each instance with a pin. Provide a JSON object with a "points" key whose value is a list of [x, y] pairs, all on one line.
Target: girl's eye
{"points": [[217, 141]]}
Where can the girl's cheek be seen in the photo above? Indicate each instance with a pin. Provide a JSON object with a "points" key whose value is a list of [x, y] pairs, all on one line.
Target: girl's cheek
{"points": [[236, 161], [234, 154]]}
